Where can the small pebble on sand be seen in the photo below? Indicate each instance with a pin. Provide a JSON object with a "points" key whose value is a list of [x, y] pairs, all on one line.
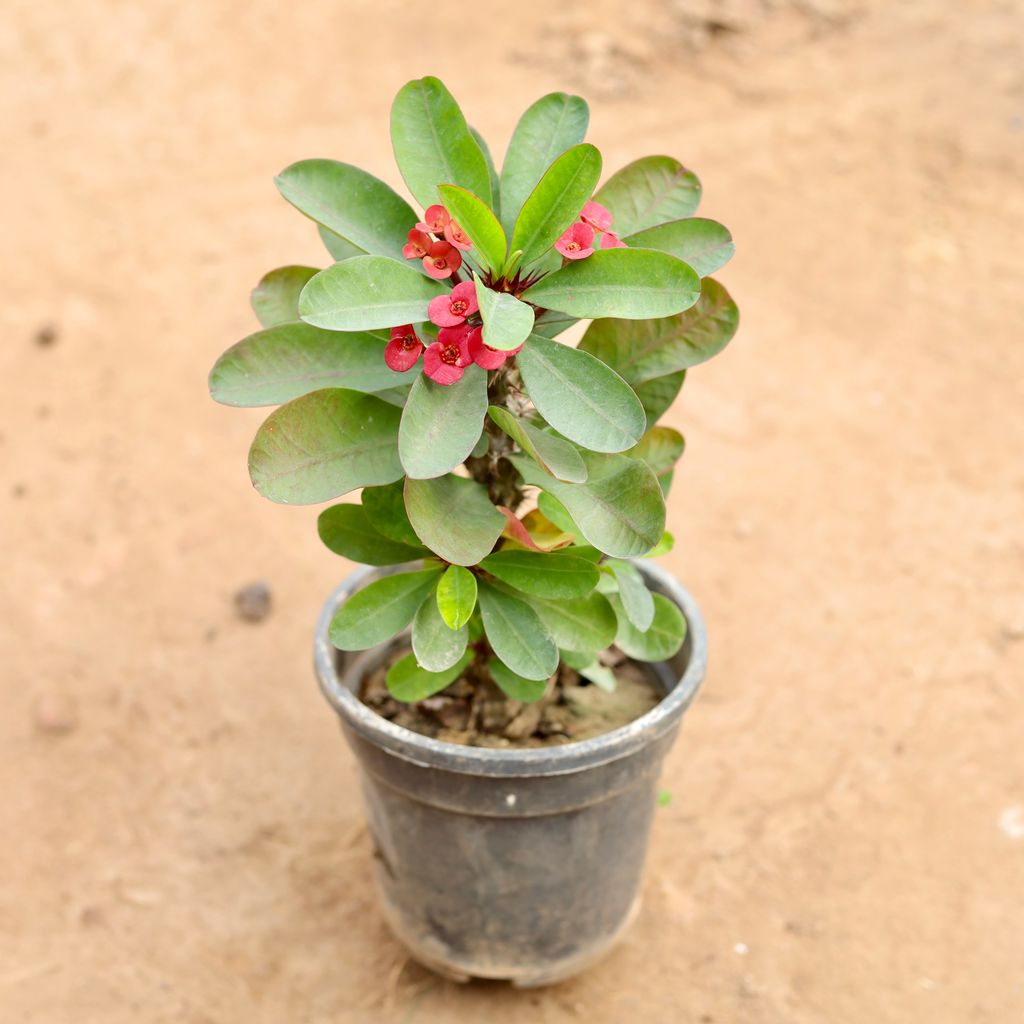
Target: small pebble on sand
{"points": [[253, 601]]}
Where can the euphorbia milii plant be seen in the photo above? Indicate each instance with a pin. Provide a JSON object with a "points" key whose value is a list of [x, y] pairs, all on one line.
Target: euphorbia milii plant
{"points": [[511, 476]]}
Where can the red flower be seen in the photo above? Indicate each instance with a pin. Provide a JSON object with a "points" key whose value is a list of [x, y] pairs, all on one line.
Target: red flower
{"points": [[442, 260], [435, 220], [446, 360], [457, 236], [485, 356], [577, 243], [452, 309], [418, 245], [403, 350], [597, 216], [610, 240]]}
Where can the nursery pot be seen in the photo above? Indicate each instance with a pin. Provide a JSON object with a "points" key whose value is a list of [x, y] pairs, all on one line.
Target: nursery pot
{"points": [[521, 864]]}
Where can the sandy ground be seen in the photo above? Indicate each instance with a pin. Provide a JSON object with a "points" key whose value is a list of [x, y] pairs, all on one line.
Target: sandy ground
{"points": [[181, 831]]}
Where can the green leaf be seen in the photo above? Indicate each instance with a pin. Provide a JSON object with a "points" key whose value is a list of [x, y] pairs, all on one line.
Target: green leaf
{"points": [[381, 610], [580, 396], [454, 517], [325, 444], [649, 191], [507, 321], [339, 248], [433, 144], [292, 359], [661, 641], [408, 682], [435, 645], [348, 531], [555, 575], [275, 300], [663, 547], [548, 128], [660, 448], [385, 508], [557, 513], [441, 423], [634, 284], [636, 600], [558, 457], [551, 323], [516, 634], [620, 509], [477, 221], [657, 394], [704, 244], [351, 203], [456, 596], [492, 174], [584, 624], [514, 686], [655, 348], [600, 676], [556, 201], [367, 292]]}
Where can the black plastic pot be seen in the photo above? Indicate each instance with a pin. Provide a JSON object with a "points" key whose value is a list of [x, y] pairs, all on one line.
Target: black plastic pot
{"points": [[503, 863]]}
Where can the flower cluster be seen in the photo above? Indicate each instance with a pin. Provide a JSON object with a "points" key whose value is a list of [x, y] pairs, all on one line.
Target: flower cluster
{"points": [[593, 228], [441, 253]]}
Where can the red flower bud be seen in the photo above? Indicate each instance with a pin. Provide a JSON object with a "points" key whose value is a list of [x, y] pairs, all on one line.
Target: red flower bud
{"points": [[418, 245], [457, 236], [403, 350], [435, 220], [445, 361], [452, 309], [442, 260], [577, 243]]}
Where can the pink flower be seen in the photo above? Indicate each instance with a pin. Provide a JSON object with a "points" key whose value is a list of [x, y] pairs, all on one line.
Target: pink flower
{"points": [[442, 260], [610, 240], [485, 356], [435, 220], [403, 350], [577, 243], [457, 236], [446, 360], [418, 245], [452, 309], [597, 216]]}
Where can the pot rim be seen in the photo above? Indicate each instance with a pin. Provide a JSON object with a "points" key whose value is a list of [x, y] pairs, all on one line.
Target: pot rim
{"points": [[510, 761]]}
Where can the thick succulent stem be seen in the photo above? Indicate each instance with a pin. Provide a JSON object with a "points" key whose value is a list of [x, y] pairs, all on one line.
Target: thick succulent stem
{"points": [[491, 469]]}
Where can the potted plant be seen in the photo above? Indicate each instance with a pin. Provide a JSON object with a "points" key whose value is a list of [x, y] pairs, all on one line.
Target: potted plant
{"points": [[511, 668]]}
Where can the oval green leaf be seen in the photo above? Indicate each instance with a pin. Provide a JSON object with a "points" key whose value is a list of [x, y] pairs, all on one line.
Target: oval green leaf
{"points": [[649, 191], [367, 292], [704, 244], [660, 448], [436, 646], [385, 507], [380, 610], [492, 174], [454, 517], [323, 445], [660, 641], [339, 248], [554, 575], [456, 596], [507, 321], [581, 397], [516, 634], [275, 300], [514, 686], [441, 424], [347, 531], [584, 624], [636, 600], [557, 456], [407, 682], [477, 221]]}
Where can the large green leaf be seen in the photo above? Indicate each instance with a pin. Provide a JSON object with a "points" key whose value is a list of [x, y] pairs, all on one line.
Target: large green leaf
{"points": [[660, 448], [385, 507], [507, 321], [456, 596], [657, 394], [515, 686], [477, 221], [555, 575], [516, 634], [325, 444], [441, 423], [656, 348], [454, 517], [581, 397], [557, 456], [435, 645], [275, 300], [283, 362], [649, 191], [492, 174], [705, 244], [340, 248], [634, 284], [366, 292], [556, 201], [584, 624], [636, 600], [664, 637], [381, 610], [548, 128], [351, 203], [433, 144], [408, 682], [348, 531], [620, 509]]}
